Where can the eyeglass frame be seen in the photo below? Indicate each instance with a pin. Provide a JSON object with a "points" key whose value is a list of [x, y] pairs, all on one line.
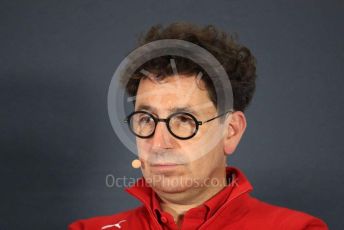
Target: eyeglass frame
{"points": [[167, 120]]}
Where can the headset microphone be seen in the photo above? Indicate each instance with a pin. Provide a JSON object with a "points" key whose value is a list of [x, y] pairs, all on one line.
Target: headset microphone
{"points": [[136, 163]]}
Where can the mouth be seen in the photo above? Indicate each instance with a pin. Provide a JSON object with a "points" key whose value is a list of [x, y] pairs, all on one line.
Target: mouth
{"points": [[164, 166]]}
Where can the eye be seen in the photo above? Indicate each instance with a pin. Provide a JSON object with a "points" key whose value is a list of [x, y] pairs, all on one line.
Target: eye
{"points": [[145, 119], [184, 119]]}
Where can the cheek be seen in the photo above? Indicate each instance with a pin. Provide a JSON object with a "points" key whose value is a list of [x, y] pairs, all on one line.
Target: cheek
{"points": [[142, 146], [203, 143], [208, 159], [143, 152], [207, 131]]}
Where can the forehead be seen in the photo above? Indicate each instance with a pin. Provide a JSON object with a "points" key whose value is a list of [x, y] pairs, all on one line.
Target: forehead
{"points": [[173, 93]]}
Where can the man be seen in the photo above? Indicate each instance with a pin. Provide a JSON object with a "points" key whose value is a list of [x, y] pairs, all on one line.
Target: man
{"points": [[186, 182]]}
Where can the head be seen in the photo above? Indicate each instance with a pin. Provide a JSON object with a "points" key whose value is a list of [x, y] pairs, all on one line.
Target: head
{"points": [[170, 164]]}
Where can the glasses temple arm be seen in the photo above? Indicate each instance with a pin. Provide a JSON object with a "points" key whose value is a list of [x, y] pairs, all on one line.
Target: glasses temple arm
{"points": [[229, 111]]}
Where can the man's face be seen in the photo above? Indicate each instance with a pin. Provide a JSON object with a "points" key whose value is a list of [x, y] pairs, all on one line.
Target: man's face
{"points": [[169, 164]]}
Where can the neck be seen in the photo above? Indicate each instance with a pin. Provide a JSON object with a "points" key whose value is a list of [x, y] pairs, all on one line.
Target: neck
{"points": [[178, 203]]}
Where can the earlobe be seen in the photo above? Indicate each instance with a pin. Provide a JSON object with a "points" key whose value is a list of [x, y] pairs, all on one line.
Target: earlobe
{"points": [[228, 150]]}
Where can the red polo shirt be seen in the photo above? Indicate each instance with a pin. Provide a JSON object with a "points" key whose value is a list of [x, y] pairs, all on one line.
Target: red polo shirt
{"points": [[231, 208]]}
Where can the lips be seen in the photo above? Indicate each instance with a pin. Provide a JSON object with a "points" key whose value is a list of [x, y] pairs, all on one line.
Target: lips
{"points": [[166, 168], [164, 164]]}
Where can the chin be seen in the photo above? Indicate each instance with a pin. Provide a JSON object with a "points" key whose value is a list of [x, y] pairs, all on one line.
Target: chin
{"points": [[170, 183], [170, 189], [173, 191]]}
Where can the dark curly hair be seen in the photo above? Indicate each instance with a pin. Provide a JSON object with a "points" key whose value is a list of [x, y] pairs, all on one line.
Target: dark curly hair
{"points": [[236, 59]]}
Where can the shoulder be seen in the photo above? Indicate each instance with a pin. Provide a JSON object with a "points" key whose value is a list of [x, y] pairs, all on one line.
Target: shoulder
{"points": [[104, 222], [284, 218]]}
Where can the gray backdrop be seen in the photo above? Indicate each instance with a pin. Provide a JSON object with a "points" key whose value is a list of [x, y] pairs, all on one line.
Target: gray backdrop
{"points": [[57, 144]]}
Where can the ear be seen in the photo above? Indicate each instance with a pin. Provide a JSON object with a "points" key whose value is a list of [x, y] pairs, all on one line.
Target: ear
{"points": [[235, 126]]}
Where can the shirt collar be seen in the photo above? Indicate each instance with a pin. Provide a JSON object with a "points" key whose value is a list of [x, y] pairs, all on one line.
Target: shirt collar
{"points": [[238, 185]]}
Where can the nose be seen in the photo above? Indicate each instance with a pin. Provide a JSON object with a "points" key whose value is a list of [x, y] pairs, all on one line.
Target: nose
{"points": [[162, 138]]}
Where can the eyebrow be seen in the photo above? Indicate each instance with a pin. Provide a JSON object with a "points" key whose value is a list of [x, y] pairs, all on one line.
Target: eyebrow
{"points": [[186, 108]]}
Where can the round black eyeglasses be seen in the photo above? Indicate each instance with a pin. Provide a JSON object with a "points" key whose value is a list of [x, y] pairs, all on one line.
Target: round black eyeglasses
{"points": [[181, 125]]}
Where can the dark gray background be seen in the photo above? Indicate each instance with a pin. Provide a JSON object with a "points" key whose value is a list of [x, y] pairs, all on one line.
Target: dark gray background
{"points": [[57, 144]]}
